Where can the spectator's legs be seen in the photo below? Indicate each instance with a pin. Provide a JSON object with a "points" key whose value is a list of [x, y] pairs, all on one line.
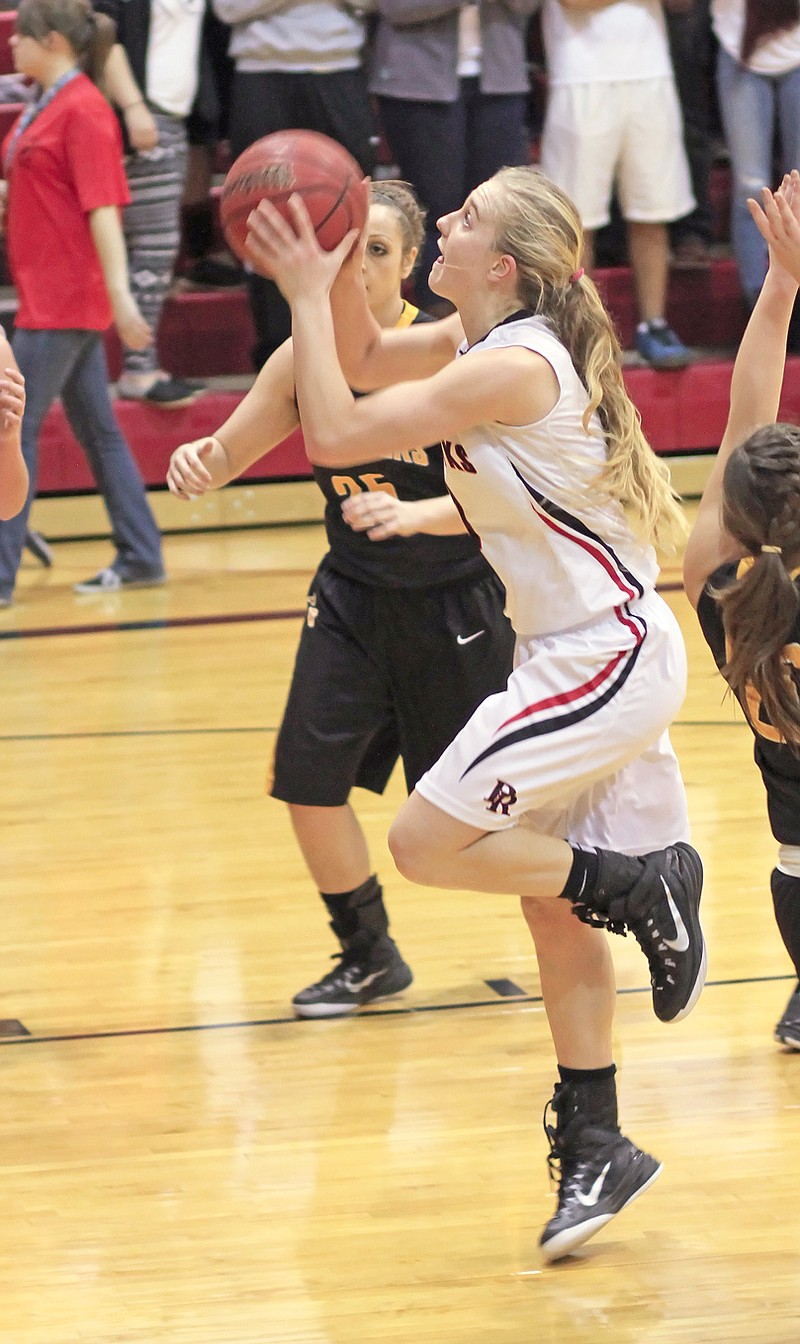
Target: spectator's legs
{"points": [[747, 108], [152, 233], [496, 132], [337, 105], [45, 359], [788, 92], [648, 247], [428, 143], [690, 45], [86, 401]]}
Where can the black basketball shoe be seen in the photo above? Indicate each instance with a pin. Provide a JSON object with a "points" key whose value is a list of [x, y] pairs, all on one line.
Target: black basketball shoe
{"points": [[788, 1029], [369, 969], [594, 1185], [598, 1170], [663, 913]]}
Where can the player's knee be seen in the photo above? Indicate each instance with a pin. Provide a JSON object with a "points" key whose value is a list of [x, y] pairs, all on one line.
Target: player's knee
{"points": [[407, 848]]}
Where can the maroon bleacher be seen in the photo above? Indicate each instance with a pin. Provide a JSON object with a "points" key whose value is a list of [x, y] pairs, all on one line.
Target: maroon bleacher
{"points": [[8, 19]]}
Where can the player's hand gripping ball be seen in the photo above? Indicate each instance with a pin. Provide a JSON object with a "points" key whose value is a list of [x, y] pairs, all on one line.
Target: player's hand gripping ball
{"points": [[307, 164]]}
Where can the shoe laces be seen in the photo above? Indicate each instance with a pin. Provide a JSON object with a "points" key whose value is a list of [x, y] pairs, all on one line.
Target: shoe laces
{"points": [[348, 964], [567, 1164]]}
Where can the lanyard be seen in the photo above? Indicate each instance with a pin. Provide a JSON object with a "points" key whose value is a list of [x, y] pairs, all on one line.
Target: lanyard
{"points": [[32, 111]]}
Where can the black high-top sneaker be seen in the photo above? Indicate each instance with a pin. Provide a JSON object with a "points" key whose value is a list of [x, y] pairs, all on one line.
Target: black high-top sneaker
{"points": [[788, 1029], [369, 969], [599, 1172], [660, 905], [370, 965]]}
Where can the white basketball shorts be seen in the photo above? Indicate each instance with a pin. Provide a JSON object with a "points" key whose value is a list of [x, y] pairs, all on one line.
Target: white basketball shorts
{"points": [[577, 745], [630, 133]]}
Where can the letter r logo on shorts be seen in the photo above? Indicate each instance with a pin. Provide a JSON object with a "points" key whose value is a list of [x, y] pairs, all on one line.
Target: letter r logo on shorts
{"points": [[502, 798]]}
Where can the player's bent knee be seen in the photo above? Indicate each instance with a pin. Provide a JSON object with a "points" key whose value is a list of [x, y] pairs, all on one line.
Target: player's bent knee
{"points": [[409, 851]]}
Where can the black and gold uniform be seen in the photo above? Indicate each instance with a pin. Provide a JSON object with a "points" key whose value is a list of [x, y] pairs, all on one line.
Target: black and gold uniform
{"points": [[780, 771], [779, 764], [403, 639]]}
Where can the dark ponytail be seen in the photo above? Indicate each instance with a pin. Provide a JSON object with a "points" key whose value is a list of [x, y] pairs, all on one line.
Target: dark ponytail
{"points": [[761, 510]]}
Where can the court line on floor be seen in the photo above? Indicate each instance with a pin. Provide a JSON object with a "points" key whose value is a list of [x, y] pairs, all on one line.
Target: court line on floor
{"points": [[185, 622], [408, 1010], [162, 623], [259, 728]]}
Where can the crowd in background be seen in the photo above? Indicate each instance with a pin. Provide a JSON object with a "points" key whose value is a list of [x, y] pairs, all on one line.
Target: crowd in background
{"points": [[626, 105]]}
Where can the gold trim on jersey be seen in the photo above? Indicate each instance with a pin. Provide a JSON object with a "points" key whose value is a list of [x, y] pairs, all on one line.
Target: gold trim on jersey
{"points": [[407, 316]]}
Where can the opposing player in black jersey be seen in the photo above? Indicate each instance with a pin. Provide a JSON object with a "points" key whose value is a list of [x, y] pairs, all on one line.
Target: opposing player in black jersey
{"points": [[404, 635], [742, 564]]}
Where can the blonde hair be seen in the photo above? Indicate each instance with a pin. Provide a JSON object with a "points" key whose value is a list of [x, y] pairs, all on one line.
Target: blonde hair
{"points": [[538, 225]]}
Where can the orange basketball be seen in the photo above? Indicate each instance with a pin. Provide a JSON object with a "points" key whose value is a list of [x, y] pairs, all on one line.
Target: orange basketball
{"points": [[305, 163]]}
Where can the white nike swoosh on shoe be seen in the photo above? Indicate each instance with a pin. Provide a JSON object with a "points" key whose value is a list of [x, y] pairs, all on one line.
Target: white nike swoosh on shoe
{"points": [[358, 985], [589, 1201], [467, 639], [681, 942]]}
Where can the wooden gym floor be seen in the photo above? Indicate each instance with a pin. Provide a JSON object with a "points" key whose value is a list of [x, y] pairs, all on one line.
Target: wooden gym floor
{"points": [[184, 1163]]}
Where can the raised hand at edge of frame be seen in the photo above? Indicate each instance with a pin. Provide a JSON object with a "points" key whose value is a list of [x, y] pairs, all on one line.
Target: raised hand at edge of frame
{"points": [[777, 219], [12, 401]]}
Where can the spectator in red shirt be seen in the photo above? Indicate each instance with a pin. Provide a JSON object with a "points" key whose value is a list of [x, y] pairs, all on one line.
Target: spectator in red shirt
{"points": [[66, 184]]}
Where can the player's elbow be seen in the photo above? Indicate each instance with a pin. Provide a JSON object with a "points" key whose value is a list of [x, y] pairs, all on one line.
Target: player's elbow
{"points": [[322, 449]]}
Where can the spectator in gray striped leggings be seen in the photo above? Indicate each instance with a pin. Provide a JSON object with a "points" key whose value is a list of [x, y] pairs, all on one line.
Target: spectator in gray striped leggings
{"points": [[151, 76]]}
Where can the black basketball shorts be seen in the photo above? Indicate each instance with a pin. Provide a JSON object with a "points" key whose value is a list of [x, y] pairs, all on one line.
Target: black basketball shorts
{"points": [[382, 674]]}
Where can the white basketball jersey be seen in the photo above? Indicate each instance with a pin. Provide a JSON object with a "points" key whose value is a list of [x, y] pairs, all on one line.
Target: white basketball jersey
{"points": [[564, 551]]}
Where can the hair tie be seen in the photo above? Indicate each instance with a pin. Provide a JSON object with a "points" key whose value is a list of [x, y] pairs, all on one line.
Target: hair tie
{"points": [[772, 550], [576, 275]]}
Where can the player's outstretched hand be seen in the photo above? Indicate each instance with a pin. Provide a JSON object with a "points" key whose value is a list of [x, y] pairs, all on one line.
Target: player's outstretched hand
{"points": [[187, 475], [777, 218], [12, 400], [380, 515], [290, 254]]}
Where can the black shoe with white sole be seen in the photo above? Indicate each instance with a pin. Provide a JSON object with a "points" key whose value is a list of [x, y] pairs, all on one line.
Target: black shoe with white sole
{"points": [[656, 897], [595, 1183], [663, 914], [598, 1171], [368, 969], [788, 1029]]}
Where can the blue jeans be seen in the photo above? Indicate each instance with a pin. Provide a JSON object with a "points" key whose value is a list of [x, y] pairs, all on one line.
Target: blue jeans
{"points": [[751, 107], [72, 365]]}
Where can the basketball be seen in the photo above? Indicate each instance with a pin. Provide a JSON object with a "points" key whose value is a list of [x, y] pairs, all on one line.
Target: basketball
{"points": [[305, 163]]}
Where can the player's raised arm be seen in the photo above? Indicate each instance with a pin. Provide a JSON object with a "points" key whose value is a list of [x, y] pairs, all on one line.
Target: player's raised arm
{"points": [[372, 356], [757, 376]]}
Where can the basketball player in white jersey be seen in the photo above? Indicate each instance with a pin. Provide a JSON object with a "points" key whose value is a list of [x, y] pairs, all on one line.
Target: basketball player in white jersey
{"points": [[564, 788]]}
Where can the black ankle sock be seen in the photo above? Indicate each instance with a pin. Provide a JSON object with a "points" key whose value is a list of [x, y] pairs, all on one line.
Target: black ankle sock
{"points": [[344, 907], [583, 874], [586, 1075], [599, 876], [588, 1100]]}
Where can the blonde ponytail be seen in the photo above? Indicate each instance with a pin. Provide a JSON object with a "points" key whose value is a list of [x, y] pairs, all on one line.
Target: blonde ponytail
{"points": [[539, 226]]}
